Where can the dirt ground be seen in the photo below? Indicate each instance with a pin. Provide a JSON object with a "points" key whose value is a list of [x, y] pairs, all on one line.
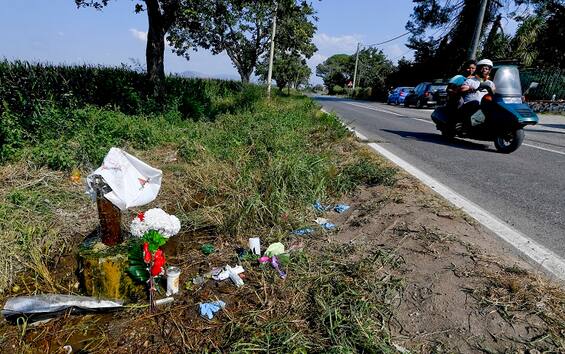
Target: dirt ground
{"points": [[465, 291], [458, 289]]}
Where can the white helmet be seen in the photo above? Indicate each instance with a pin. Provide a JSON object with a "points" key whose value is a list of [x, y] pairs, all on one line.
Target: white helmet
{"points": [[487, 62]]}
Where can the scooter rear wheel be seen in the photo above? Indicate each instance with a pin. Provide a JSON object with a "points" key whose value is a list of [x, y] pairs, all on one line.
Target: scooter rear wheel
{"points": [[510, 141]]}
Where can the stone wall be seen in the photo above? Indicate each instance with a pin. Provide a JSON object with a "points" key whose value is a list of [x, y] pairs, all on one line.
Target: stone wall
{"points": [[557, 107]]}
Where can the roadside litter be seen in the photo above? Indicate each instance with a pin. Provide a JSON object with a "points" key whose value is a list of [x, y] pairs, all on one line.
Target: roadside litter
{"points": [[319, 207], [325, 223], [303, 231], [207, 249], [209, 309], [40, 307], [255, 245], [339, 208], [274, 250]]}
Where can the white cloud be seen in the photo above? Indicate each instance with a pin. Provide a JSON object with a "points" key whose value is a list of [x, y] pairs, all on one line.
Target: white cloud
{"points": [[139, 35], [336, 44]]}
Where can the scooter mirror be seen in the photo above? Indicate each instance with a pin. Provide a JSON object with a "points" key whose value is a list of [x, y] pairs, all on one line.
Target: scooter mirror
{"points": [[533, 85]]}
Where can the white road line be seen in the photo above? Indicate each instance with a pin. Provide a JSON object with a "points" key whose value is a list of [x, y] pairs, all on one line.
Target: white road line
{"points": [[374, 108], [538, 253], [544, 149], [360, 136]]}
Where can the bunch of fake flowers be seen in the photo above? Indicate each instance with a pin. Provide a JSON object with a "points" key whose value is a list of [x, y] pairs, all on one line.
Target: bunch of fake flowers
{"points": [[155, 219], [146, 258]]}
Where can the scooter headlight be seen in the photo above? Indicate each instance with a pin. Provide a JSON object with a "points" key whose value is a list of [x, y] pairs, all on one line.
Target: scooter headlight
{"points": [[509, 100]]}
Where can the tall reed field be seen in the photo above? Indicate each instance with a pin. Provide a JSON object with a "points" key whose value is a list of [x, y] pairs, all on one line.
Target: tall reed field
{"points": [[38, 101]]}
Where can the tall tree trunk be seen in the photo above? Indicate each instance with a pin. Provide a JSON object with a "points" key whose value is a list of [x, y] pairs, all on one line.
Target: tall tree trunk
{"points": [[245, 75], [155, 51]]}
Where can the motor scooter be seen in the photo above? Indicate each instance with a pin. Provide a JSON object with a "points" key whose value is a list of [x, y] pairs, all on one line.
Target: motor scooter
{"points": [[501, 117]]}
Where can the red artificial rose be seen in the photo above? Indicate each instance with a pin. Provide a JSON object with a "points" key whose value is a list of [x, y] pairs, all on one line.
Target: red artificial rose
{"points": [[158, 263], [141, 216], [146, 253]]}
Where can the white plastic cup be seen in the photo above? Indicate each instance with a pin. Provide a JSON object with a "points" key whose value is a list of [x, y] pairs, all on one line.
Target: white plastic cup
{"points": [[255, 245], [173, 274]]}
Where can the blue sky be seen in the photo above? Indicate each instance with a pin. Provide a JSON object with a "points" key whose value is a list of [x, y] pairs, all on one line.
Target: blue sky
{"points": [[56, 31]]}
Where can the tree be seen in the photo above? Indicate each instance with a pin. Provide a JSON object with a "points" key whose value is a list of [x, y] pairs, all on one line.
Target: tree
{"points": [[373, 70], [293, 44], [241, 28], [497, 44], [289, 70], [337, 70], [454, 21], [161, 15], [552, 36]]}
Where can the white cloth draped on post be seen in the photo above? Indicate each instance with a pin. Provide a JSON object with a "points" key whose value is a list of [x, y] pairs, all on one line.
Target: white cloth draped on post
{"points": [[133, 182]]}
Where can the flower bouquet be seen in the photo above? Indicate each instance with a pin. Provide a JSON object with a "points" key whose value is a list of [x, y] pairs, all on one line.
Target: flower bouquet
{"points": [[146, 259]]}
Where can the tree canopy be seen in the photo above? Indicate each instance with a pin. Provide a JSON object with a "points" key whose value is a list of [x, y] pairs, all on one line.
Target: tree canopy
{"points": [[161, 15], [242, 28]]}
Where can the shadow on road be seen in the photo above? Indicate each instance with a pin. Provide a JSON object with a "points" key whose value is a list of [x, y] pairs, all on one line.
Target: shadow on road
{"points": [[559, 126], [537, 130], [440, 140]]}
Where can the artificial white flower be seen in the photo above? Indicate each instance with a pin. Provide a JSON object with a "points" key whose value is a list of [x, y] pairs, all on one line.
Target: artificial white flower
{"points": [[155, 219]]}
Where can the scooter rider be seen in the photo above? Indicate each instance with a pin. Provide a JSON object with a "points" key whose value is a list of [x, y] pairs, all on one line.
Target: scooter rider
{"points": [[472, 93], [454, 99]]}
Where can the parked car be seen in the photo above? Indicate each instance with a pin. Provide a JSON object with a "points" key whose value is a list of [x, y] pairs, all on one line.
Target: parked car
{"points": [[427, 94], [398, 95]]}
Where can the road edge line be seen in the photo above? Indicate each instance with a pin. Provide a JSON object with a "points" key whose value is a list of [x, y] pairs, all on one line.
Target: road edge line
{"points": [[548, 260]]}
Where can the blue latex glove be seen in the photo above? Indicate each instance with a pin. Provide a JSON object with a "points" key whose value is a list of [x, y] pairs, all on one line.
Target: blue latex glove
{"points": [[340, 208], [209, 309], [319, 207], [303, 231]]}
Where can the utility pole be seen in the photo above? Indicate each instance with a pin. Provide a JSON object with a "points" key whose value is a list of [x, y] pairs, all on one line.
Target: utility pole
{"points": [[356, 62], [272, 52], [477, 33]]}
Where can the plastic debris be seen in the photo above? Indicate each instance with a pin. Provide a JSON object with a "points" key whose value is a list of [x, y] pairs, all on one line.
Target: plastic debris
{"points": [[275, 249], [164, 301], [303, 231], [234, 276], [223, 273], [319, 207], [325, 223], [40, 307], [207, 249], [340, 208], [264, 259], [275, 263], [199, 280], [132, 181], [209, 309], [255, 245]]}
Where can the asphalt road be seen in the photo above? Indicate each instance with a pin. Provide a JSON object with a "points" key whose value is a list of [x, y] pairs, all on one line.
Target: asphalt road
{"points": [[525, 189]]}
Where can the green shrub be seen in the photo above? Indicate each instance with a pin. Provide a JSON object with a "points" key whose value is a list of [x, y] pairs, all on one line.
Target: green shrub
{"points": [[337, 90]]}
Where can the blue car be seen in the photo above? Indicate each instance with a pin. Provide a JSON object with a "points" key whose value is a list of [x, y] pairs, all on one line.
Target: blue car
{"points": [[398, 95]]}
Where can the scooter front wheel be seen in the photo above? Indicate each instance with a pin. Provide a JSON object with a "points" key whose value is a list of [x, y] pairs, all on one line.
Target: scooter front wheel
{"points": [[510, 141]]}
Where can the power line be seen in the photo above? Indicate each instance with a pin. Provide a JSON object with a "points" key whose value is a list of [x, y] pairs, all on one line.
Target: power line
{"points": [[389, 40]]}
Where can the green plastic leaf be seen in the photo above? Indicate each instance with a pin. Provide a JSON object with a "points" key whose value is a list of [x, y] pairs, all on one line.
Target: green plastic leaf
{"points": [[154, 239], [138, 273]]}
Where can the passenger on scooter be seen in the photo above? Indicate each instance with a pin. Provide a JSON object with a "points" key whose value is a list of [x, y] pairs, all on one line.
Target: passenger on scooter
{"points": [[472, 93], [454, 99]]}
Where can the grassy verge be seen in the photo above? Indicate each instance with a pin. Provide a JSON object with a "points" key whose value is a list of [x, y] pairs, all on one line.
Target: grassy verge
{"points": [[256, 172]]}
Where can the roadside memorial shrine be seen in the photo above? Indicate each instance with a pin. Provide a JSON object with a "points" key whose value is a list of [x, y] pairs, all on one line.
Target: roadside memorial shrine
{"points": [[114, 263]]}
